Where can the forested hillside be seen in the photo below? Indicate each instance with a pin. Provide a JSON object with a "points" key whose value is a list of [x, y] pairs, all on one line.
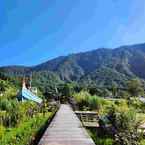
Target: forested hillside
{"points": [[99, 67]]}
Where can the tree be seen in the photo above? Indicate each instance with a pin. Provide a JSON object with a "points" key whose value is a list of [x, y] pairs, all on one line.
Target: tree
{"points": [[123, 94], [106, 93], [3, 86], [82, 99], [135, 88], [68, 90], [114, 90], [95, 91]]}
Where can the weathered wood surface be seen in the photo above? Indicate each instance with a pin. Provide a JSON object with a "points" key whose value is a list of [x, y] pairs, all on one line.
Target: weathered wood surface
{"points": [[66, 129], [91, 124], [87, 112]]}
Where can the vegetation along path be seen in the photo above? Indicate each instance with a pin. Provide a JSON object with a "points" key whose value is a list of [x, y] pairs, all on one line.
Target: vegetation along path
{"points": [[66, 129]]}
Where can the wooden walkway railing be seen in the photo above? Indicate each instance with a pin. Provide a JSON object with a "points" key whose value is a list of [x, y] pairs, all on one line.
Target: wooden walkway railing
{"points": [[66, 129], [88, 118]]}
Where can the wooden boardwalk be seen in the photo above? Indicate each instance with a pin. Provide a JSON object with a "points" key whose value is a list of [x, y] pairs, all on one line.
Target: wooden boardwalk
{"points": [[66, 129]]}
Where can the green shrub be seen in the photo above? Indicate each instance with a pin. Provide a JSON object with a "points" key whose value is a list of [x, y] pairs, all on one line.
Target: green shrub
{"points": [[82, 99], [137, 104], [2, 131], [104, 141], [94, 102], [81, 96], [85, 100], [124, 121], [5, 104], [100, 140], [142, 142]]}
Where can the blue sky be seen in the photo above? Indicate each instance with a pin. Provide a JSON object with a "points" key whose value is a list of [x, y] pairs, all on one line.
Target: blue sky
{"points": [[33, 31]]}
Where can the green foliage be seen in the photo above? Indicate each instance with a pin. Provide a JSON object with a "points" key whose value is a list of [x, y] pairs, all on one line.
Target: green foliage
{"points": [[103, 92], [15, 111], [5, 104], [106, 93], [2, 131], [119, 122], [9, 114], [124, 123], [114, 90], [99, 104], [20, 121], [3, 86], [103, 141], [81, 96], [47, 82], [123, 94], [135, 88], [68, 89], [86, 101], [82, 99], [104, 77], [100, 140], [7, 90], [24, 119], [25, 132], [94, 102], [121, 103], [136, 104], [142, 142]]}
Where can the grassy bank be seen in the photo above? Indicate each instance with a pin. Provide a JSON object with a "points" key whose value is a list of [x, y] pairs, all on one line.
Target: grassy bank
{"points": [[26, 132]]}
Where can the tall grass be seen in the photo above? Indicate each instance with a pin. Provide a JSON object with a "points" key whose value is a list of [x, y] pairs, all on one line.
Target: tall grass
{"points": [[85, 100], [25, 132]]}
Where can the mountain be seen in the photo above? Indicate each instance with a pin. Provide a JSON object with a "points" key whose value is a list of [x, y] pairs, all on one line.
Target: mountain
{"points": [[99, 67]]}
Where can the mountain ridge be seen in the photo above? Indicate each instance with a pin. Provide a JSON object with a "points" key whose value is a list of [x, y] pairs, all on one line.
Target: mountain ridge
{"points": [[124, 62]]}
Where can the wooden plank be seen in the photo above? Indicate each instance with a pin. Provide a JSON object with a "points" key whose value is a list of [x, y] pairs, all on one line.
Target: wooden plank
{"points": [[66, 129], [87, 112], [91, 124]]}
